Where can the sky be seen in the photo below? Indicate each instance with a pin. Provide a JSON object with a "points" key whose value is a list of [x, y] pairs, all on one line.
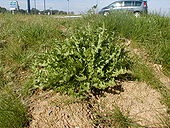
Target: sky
{"points": [[82, 6]]}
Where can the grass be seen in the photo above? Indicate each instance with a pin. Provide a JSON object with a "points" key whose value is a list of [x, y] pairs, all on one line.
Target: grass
{"points": [[151, 32], [115, 118], [142, 72], [24, 36], [13, 114], [21, 38]]}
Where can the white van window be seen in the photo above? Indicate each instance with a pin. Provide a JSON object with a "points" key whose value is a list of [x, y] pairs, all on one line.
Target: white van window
{"points": [[132, 3], [138, 3], [128, 3]]}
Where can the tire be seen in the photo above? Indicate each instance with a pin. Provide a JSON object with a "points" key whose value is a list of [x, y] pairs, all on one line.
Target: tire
{"points": [[137, 14], [106, 13]]}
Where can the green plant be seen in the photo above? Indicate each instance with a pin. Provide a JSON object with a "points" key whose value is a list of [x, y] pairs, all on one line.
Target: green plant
{"points": [[12, 111], [89, 59]]}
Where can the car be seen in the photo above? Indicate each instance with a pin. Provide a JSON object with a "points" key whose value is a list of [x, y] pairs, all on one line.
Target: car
{"points": [[135, 6]]}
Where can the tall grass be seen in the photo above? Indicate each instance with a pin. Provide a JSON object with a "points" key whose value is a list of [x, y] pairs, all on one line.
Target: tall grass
{"points": [[25, 35], [21, 37], [151, 32], [13, 114]]}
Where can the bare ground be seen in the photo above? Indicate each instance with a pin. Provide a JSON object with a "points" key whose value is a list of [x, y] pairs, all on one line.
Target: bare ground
{"points": [[52, 110], [140, 102]]}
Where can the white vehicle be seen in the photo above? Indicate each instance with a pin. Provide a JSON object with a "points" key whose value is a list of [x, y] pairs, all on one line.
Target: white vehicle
{"points": [[135, 6]]}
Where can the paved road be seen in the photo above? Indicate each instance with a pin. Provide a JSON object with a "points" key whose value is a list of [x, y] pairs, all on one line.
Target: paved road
{"points": [[76, 16]]}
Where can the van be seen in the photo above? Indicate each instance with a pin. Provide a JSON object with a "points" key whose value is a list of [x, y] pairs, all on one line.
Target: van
{"points": [[135, 6]]}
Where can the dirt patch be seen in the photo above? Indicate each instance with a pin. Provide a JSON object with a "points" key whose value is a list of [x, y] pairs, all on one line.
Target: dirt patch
{"points": [[139, 101], [52, 110]]}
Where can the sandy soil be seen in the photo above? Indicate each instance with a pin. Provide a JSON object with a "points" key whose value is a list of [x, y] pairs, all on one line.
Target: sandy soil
{"points": [[140, 102], [52, 110]]}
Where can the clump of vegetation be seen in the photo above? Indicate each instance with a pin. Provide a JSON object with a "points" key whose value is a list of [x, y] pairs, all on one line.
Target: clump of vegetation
{"points": [[13, 114], [89, 59]]}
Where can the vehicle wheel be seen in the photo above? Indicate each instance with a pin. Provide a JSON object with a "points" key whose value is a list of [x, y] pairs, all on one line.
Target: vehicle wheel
{"points": [[106, 13], [137, 14]]}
